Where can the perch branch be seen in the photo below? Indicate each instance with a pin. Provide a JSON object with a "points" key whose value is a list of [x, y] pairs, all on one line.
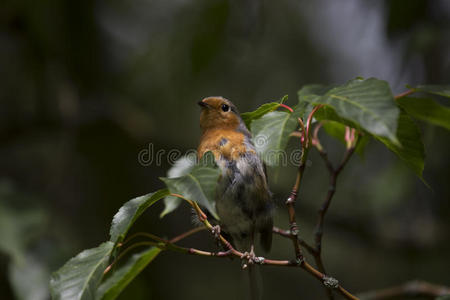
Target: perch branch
{"points": [[327, 281]]}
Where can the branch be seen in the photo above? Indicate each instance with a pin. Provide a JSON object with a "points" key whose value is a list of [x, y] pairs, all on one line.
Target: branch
{"points": [[412, 289], [186, 234], [287, 234], [334, 173], [290, 202], [158, 243], [231, 252], [329, 282], [204, 219], [404, 94], [351, 141]]}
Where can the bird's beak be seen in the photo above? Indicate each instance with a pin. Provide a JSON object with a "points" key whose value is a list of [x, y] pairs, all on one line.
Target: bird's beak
{"points": [[203, 104]]}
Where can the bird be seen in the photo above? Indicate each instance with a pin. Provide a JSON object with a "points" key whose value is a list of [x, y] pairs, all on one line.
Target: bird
{"points": [[243, 200]]}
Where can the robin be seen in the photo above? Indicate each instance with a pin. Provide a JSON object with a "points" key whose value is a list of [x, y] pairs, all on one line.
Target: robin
{"points": [[243, 200]]}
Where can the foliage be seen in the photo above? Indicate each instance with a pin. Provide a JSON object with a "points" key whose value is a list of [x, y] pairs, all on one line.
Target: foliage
{"points": [[364, 104], [271, 134], [365, 107], [199, 184], [249, 117], [426, 109], [130, 211], [112, 286], [81, 275]]}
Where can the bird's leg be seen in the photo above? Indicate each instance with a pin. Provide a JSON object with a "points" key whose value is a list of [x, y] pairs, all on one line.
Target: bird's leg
{"points": [[249, 258], [252, 251], [215, 230]]}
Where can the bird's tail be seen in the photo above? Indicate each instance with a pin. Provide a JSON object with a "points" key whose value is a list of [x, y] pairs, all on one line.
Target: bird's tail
{"points": [[255, 282]]}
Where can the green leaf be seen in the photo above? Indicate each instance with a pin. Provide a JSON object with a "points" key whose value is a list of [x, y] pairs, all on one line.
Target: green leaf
{"points": [[180, 168], [248, 117], [129, 213], [441, 90], [362, 143], [314, 89], [367, 104], [114, 285], [412, 150], [80, 276], [311, 90], [199, 185], [283, 99], [337, 130], [426, 110], [271, 134]]}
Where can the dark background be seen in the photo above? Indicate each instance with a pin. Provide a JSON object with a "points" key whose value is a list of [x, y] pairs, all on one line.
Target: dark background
{"points": [[86, 85]]}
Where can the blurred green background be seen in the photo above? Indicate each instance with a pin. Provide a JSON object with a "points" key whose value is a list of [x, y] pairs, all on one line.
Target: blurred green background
{"points": [[86, 85]]}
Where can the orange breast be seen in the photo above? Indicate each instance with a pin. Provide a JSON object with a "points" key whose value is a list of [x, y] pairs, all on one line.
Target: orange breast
{"points": [[226, 143]]}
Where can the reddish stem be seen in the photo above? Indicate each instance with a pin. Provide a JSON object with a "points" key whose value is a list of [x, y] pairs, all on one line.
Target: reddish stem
{"points": [[404, 94], [287, 107]]}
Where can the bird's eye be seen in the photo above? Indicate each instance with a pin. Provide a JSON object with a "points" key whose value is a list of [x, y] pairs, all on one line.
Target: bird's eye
{"points": [[225, 107]]}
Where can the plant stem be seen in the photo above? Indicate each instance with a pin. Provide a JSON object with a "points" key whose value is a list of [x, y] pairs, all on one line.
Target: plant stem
{"points": [[186, 234], [334, 173], [145, 234], [413, 289], [290, 203], [292, 234], [287, 234], [404, 94], [122, 254], [170, 245], [280, 263], [161, 241]]}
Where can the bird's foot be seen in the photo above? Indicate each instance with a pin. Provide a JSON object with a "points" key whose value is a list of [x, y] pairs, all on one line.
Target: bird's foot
{"points": [[215, 230], [249, 258]]}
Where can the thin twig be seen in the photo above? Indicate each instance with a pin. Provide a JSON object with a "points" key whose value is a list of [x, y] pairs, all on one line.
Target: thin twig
{"points": [[259, 260], [308, 122], [298, 262], [404, 94], [287, 234], [287, 107], [264, 261], [334, 173], [290, 203], [162, 243], [186, 234], [303, 132], [204, 219], [122, 254], [412, 288], [169, 245], [144, 234]]}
